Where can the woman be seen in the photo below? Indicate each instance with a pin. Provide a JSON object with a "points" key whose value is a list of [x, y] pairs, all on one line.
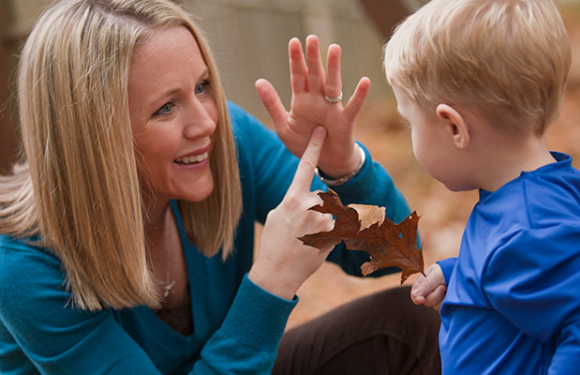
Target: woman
{"points": [[127, 235]]}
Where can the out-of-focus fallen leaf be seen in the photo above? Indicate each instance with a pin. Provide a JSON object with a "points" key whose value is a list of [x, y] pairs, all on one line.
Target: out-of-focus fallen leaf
{"points": [[365, 227]]}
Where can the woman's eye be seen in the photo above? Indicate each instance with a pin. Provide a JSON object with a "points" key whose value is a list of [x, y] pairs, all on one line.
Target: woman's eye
{"points": [[202, 87], [165, 110]]}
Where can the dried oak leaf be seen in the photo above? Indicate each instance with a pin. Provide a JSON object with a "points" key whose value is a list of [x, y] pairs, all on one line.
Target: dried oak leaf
{"points": [[346, 223], [365, 227], [390, 244]]}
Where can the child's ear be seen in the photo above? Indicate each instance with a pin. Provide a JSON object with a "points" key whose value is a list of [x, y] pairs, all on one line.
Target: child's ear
{"points": [[455, 125]]}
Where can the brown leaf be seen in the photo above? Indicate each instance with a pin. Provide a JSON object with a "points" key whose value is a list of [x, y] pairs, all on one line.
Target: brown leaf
{"points": [[388, 244], [346, 222], [368, 214]]}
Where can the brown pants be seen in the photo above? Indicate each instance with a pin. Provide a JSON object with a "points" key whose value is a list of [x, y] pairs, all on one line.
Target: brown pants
{"points": [[384, 333]]}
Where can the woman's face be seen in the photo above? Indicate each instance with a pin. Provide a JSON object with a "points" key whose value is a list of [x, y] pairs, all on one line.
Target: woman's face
{"points": [[173, 115]]}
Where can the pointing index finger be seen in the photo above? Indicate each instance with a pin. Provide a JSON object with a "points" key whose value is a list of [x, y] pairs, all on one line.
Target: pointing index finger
{"points": [[305, 171]]}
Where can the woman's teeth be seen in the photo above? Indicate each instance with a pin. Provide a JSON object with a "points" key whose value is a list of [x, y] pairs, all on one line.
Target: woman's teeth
{"points": [[192, 159]]}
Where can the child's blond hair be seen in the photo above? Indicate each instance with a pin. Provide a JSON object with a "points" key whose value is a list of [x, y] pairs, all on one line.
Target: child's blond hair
{"points": [[506, 59]]}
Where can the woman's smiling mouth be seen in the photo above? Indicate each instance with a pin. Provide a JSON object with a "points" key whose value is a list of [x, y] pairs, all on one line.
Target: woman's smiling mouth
{"points": [[192, 159]]}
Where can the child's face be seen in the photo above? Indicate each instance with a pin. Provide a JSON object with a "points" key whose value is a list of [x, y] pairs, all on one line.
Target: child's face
{"points": [[432, 144]]}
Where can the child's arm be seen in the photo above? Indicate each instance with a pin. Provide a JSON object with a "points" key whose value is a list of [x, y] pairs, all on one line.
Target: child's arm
{"points": [[430, 290], [541, 296]]}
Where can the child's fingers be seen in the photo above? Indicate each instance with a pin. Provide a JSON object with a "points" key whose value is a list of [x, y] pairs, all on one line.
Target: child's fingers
{"points": [[422, 293], [424, 286], [305, 172], [436, 297], [418, 300], [418, 290]]}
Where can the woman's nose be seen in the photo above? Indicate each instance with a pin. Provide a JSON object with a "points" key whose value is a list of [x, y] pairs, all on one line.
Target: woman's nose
{"points": [[201, 119]]}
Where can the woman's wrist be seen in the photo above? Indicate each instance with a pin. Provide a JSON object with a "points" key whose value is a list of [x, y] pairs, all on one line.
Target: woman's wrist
{"points": [[273, 284], [341, 180]]}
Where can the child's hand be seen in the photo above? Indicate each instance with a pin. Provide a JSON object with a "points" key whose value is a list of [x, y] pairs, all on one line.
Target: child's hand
{"points": [[429, 290], [310, 108]]}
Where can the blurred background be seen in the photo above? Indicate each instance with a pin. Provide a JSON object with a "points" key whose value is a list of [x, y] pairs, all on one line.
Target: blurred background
{"points": [[250, 38]]}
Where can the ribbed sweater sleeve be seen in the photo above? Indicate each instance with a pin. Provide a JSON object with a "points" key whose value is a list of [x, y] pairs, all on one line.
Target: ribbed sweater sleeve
{"points": [[248, 339]]}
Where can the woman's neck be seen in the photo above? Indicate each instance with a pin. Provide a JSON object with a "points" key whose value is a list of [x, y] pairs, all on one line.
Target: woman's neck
{"points": [[168, 266], [157, 213]]}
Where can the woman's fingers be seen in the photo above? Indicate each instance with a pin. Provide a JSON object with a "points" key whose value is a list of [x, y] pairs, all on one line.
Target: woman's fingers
{"points": [[305, 171], [355, 103], [314, 64], [298, 69], [283, 262], [272, 102], [333, 84]]}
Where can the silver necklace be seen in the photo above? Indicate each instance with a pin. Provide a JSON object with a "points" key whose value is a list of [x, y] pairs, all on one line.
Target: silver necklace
{"points": [[166, 285]]}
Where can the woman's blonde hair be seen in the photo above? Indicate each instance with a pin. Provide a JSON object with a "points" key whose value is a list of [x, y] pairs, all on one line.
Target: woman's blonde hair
{"points": [[78, 191], [507, 59]]}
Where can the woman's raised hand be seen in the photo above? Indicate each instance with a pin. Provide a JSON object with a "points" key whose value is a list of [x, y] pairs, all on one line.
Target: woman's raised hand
{"points": [[283, 262], [312, 104]]}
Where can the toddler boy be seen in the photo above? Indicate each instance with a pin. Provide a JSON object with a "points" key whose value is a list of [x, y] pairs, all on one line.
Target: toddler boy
{"points": [[479, 82]]}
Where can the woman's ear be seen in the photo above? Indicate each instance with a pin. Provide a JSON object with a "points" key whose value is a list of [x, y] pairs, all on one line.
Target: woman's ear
{"points": [[455, 124]]}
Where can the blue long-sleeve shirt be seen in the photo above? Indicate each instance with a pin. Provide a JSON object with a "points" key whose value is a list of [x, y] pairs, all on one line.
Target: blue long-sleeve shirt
{"points": [[237, 325], [513, 297]]}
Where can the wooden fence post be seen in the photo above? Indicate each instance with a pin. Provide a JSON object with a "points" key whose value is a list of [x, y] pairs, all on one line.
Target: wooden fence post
{"points": [[8, 143]]}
